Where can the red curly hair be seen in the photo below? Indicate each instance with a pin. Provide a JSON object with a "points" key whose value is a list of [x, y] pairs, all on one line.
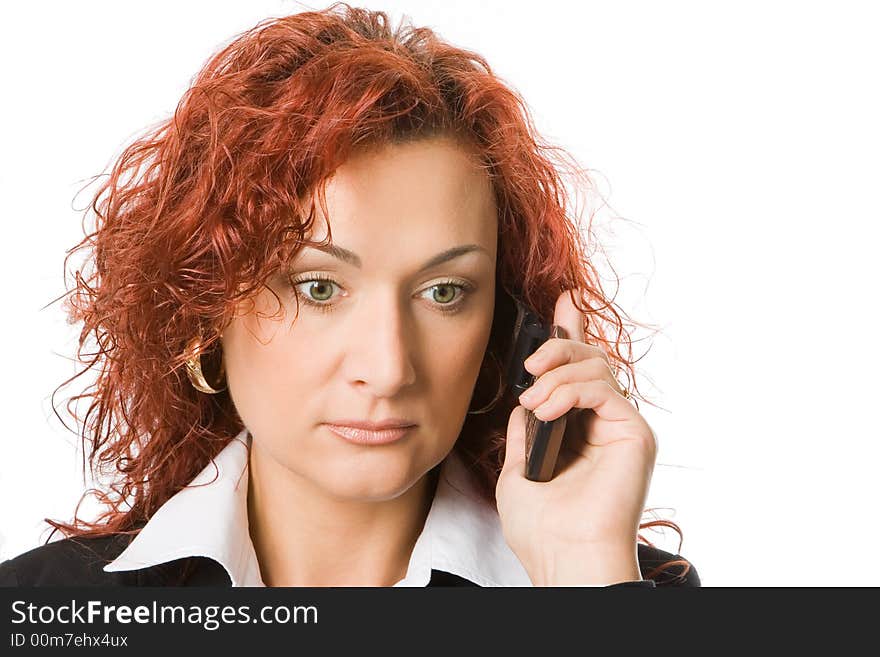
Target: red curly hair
{"points": [[197, 214]]}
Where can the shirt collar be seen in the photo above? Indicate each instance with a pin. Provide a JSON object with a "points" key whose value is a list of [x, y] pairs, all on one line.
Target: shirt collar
{"points": [[208, 518]]}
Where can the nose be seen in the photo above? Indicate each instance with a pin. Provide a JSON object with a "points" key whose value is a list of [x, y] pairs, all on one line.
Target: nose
{"points": [[379, 355]]}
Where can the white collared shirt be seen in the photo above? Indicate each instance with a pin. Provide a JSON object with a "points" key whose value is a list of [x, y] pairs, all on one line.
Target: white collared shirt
{"points": [[462, 534]]}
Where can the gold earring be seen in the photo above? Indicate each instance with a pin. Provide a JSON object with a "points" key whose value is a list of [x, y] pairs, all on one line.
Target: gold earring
{"points": [[194, 369]]}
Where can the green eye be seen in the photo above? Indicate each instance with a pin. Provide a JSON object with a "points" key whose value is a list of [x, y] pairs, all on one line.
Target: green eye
{"points": [[320, 290], [314, 291], [447, 293], [449, 296]]}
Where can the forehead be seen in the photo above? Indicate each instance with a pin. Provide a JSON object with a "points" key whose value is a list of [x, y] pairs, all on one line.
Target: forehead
{"points": [[412, 196]]}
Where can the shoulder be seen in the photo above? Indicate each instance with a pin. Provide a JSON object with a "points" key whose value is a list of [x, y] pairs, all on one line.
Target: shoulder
{"points": [[80, 561], [77, 561], [679, 571]]}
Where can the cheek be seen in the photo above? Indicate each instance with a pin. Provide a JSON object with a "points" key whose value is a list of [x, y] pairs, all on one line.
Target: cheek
{"points": [[258, 345], [456, 366], [268, 373]]}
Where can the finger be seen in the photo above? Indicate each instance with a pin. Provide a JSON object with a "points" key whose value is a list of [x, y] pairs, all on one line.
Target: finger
{"points": [[559, 351], [515, 444], [580, 371], [597, 395], [568, 317]]}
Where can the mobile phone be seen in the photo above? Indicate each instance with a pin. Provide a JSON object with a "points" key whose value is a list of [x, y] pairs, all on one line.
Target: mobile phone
{"points": [[543, 439]]}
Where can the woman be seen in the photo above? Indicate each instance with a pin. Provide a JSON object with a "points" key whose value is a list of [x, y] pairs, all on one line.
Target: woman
{"points": [[303, 294]]}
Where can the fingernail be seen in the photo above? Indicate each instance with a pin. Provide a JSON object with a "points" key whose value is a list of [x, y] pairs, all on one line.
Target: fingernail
{"points": [[541, 410]]}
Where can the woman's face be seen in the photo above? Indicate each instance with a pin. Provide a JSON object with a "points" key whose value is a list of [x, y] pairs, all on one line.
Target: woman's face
{"points": [[388, 334]]}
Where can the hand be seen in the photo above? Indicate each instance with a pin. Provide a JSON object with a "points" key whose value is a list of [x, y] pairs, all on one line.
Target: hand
{"points": [[580, 527]]}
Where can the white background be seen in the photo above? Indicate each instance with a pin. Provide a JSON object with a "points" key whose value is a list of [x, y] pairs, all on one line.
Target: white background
{"points": [[739, 145]]}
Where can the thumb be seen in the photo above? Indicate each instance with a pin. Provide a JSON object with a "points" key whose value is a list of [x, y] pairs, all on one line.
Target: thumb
{"points": [[515, 445]]}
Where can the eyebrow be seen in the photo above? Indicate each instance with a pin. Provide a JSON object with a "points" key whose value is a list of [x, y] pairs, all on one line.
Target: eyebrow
{"points": [[353, 259]]}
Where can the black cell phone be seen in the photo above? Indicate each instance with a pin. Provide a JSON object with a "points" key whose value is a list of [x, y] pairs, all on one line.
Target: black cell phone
{"points": [[543, 439]]}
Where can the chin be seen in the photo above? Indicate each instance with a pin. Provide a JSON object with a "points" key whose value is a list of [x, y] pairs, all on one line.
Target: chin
{"points": [[368, 488], [370, 479]]}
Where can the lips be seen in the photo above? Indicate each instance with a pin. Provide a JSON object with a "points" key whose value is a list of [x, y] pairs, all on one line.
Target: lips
{"points": [[389, 423], [371, 433]]}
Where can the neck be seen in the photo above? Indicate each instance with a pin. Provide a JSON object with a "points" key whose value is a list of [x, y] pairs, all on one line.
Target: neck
{"points": [[305, 537]]}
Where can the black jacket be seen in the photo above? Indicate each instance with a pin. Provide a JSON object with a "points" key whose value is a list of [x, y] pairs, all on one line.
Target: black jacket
{"points": [[80, 562]]}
